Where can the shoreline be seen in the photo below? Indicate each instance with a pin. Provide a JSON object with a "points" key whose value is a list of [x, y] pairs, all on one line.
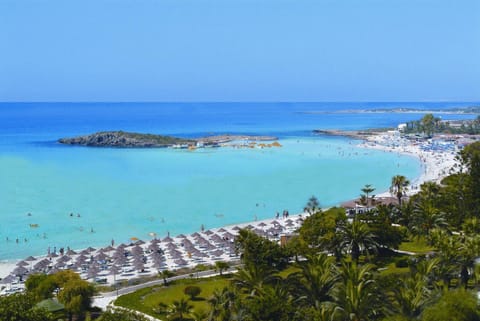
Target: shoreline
{"points": [[435, 165]]}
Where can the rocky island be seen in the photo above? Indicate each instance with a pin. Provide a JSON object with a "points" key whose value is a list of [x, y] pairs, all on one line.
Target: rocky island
{"points": [[123, 139]]}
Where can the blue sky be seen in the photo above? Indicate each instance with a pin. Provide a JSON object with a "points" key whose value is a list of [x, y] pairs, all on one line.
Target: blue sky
{"points": [[239, 50]]}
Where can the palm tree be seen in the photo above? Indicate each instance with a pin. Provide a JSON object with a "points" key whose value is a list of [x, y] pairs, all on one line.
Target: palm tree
{"points": [[410, 296], [367, 189], [165, 274], [356, 238], [316, 279], [468, 251], [199, 315], [251, 278], [398, 187], [221, 266], [427, 217], [313, 205], [178, 310], [221, 305], [357, 297]]}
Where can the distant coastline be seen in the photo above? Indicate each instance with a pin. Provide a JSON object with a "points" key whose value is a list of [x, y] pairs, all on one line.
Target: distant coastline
{"points": [[471, 110]]}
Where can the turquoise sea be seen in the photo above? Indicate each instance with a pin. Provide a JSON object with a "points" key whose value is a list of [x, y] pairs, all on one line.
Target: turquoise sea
{"points": [[124, 193]]}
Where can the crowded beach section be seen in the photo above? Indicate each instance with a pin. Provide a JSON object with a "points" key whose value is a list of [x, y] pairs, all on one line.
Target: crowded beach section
{"points": [[141, 258], [120, 263]]}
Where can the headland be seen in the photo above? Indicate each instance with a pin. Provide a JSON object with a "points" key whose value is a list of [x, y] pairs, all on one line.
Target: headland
{"points": [[122, 139]]}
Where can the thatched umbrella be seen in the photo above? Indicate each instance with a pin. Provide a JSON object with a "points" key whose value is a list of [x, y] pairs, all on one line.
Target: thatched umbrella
{"points": [[216, 238], [180, 262], [53, 271], [40, 265], [30, 258], [19, 271], [71, 252], [8, 279], [64, 258], [217, 253], [93, 271], [137, 250], [22, 263], [101, 256], [120, 260], [139, 266], [174, 253], [229, 236]]}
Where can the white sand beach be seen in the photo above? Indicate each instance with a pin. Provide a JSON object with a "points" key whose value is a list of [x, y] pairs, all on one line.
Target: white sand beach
{"points": [[437, 157], [146, 258]]}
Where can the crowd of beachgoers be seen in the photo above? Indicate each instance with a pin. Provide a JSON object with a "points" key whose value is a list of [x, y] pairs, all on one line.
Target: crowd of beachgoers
{"points": [[437, 155], [123, 262]]}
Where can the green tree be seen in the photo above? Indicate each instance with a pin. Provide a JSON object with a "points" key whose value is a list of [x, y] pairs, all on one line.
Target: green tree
{"points": [[379, 221], [316, 279], [312, 206], [427, 217], [318, 232], [222, 305], [41, 286], [252, 278], [470, 159], [165, 275], [179, 310], [357, 238], [259, 251], [456, 305], [21, 307], [221, 266], [399, 187], [367, 190], [273, 303], [192, 291], [428, 124], [76, 295], [357, 296], [410, 296]]}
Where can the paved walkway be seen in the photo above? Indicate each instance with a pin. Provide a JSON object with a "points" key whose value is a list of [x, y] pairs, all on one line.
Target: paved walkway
{"points": [[106, 298]]}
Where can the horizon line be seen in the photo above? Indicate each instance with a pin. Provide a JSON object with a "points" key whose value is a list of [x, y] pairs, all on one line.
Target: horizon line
{"points": [[236, 102]]}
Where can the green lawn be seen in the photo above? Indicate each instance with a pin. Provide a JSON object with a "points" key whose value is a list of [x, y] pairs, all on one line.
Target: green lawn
{"points": [[148, 299], [418, 246]]}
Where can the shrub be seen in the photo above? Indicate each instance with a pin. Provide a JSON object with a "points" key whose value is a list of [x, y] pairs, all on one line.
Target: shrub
{"points": [[192, 291]]}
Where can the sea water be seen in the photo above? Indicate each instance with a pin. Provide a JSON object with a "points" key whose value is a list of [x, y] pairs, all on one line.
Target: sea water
{"points": [[53, 195]]}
